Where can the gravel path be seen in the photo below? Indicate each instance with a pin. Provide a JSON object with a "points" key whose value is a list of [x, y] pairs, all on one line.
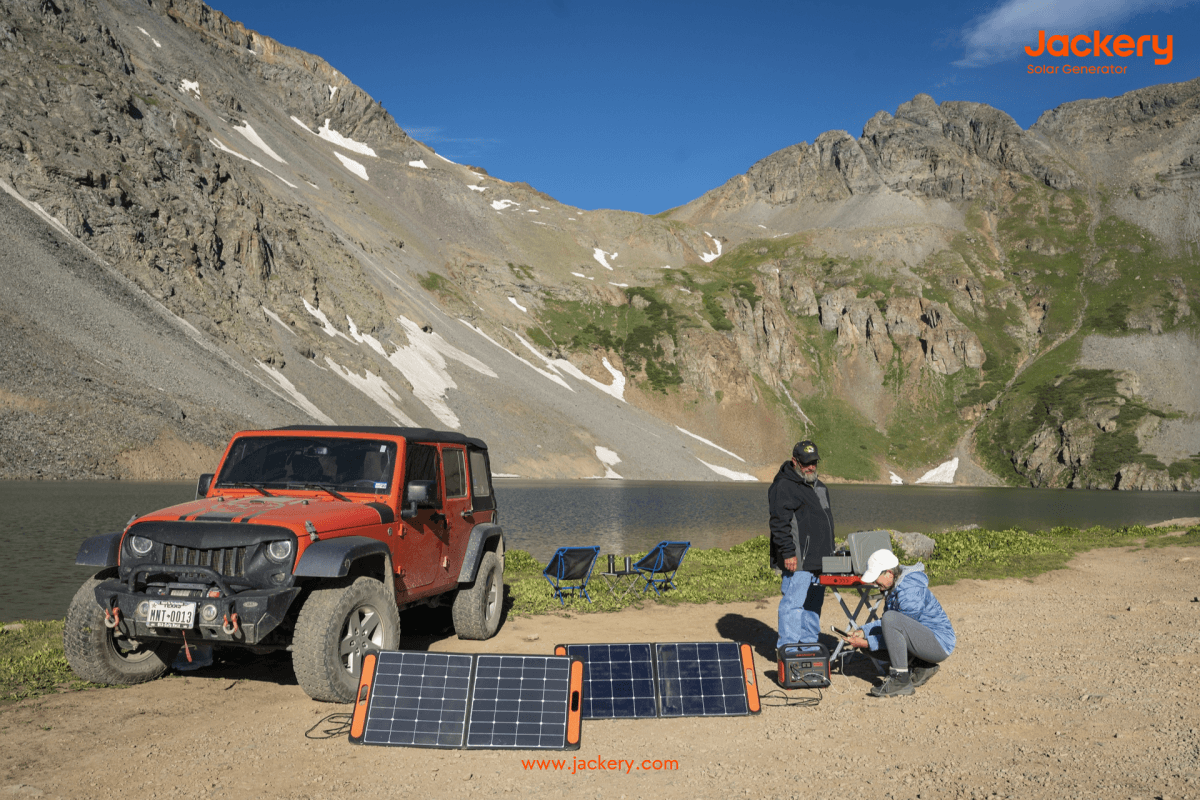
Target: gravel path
{"points": [[1037, 702]]}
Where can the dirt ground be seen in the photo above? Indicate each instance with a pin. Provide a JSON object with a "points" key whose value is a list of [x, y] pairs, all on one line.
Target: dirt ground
{"points": [[1080, 683]]}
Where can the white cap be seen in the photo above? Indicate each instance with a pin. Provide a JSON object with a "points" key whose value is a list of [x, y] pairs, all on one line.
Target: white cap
{"points": [[879, 561]]}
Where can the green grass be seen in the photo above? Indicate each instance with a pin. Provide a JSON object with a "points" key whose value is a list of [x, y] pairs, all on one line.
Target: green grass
{"points": [[32, 662]]}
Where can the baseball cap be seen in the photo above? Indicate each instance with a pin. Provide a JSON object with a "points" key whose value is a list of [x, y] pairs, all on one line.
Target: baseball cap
{"points": [[879, 561], [806, 452]]}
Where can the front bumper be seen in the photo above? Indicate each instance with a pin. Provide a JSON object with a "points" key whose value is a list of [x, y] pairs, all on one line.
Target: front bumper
{"points": [[258, 612]]}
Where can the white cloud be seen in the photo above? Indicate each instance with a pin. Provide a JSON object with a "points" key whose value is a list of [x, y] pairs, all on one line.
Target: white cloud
{"points": [[1003, 33]]}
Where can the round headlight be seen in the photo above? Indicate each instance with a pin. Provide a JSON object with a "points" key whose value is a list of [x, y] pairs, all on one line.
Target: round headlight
{"points": [[208, 612], [280, 551], [140, 545]]}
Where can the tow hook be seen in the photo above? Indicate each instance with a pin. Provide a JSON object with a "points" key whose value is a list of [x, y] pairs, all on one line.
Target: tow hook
{"points": [[231, 626], [112, 616]]}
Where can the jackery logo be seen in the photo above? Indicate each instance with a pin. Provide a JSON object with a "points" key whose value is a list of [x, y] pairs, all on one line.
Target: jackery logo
{"points": [[1092, 44]]}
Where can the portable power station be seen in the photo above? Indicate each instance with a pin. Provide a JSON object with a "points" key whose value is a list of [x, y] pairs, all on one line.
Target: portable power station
{"points": [[803, 666]]}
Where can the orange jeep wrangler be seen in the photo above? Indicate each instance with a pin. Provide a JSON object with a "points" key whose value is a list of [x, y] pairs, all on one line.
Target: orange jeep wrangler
{"points": [[309, 539]]}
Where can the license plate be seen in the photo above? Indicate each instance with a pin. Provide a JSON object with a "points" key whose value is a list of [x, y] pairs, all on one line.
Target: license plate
{"points": [[171, 614]]}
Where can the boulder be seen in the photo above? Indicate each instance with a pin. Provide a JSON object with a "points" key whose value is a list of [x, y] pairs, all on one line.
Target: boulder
{"points": [[915, 545]]}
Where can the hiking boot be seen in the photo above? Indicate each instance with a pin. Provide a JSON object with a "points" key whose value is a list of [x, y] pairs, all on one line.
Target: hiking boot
{"points": [[921, 675], [897, 684]]}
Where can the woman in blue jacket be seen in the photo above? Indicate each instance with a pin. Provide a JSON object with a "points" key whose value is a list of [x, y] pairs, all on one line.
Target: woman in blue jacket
{"points": [[913, 623]]}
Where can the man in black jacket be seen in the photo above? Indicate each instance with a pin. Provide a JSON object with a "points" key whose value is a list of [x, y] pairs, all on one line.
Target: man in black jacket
{"points": [[801, 535]]}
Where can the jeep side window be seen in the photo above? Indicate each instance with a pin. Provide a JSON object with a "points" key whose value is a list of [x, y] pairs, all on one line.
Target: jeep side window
{"points": [[421, 464], [456, 472], [481, 483]]}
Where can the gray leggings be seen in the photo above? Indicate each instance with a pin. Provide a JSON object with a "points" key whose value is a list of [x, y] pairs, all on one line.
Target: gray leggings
{"points": [[903, 635]]}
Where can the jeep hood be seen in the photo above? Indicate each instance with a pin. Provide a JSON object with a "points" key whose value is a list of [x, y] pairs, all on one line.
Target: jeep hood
{"points": [[326, 515]]}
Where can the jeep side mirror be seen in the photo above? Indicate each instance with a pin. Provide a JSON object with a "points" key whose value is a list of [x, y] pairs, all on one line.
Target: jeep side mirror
{"points": [[419, 496], [203, 485]]}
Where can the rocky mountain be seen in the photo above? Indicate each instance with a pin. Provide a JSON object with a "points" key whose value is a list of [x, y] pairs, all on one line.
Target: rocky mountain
{"points": [[203, 230]]}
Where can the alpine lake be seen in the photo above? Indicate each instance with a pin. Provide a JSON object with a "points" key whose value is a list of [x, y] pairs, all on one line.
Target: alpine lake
{"points": [[42, 523]]}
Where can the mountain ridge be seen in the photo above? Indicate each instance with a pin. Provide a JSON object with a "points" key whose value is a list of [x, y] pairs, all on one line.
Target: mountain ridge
{"points": [[355, 275]]}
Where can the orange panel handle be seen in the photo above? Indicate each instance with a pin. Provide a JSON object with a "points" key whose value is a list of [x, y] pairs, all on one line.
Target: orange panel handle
{"points": [[364, 695], [751, 680]]}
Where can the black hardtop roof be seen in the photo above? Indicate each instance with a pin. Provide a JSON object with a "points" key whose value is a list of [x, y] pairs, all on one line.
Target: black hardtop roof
{"points": [[411, 434]]}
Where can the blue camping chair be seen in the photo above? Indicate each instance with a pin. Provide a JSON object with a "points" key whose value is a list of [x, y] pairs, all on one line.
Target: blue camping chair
{"points": [[659, 565], [571, 564]]}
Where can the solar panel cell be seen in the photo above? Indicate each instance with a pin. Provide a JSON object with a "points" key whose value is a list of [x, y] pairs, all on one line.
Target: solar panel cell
{"points": [[454, 700]]}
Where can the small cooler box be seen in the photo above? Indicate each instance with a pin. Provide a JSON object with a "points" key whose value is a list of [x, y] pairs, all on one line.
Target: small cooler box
{"points": [[803, 666]]}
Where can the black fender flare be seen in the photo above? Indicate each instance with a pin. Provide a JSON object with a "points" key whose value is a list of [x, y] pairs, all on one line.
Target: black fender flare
{"points": [[99, 551], [331, 558], [485, 536]]}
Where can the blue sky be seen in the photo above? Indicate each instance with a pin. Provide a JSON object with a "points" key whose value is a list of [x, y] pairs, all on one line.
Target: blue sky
{"points": [[643, 106]]}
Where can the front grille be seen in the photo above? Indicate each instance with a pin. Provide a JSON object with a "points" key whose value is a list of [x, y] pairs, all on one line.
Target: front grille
{"points": [[229, 561]]}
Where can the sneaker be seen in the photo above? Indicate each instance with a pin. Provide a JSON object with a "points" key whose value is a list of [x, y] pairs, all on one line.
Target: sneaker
{"points": [[921, 675], [898, 684]]}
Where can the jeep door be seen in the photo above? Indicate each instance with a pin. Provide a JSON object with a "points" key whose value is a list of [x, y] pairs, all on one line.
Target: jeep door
{"points": [[457, 506], [421, 546]]}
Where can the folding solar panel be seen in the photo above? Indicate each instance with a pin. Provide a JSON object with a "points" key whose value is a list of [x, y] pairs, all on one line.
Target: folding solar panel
{"points": [[672, 679], [451, 700]]}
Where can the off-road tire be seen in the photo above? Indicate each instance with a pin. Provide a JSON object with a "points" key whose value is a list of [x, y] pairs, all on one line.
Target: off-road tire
{"points": [[337, 626], [102, 655], [478, 608]]}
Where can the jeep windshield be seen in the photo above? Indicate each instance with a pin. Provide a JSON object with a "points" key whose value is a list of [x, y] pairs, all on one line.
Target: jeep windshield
{"points": [[309, 462]]}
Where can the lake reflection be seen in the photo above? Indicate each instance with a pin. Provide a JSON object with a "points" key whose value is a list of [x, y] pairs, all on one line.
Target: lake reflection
{"points": [[43, 522]]}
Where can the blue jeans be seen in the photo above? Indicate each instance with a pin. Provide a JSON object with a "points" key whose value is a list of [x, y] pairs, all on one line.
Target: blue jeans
{"points": [[800, 608]]}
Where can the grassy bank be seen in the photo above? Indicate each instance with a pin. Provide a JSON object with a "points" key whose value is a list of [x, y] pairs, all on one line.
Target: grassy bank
{"points": [[32, 663]]}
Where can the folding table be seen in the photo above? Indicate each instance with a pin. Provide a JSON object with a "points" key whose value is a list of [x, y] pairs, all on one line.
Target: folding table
{"points": [[838, 582], [621, 581]]}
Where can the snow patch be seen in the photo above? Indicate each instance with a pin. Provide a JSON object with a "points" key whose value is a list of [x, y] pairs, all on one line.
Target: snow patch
{"points": [[896, 479], [190, 87], [531, 211], [600, 256], [422, 362], [221, 146], [302, 125], [143, 30], [257, 141], [332, 91], [448, 161], [419, 164], [728, 473], [544, 373], [352, 165], [324, 320], [942, 473], [581, 275], [707, 257], [477, 188], [620, 285], [330, 135], [500, 205], [609, 459], [275, 317], [300, 400], [375, 388], [710, 444], [513, 300]]}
